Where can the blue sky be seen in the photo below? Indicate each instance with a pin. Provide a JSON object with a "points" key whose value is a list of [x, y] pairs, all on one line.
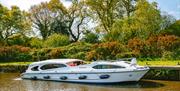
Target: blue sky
{"points": [[172, 7]]}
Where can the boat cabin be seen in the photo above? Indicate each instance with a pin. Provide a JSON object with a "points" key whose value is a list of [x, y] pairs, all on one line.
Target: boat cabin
{"points": [[54, 63]]}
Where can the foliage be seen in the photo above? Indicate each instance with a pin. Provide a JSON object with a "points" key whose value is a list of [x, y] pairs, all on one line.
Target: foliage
{"points": [[48, 20], [13, 21], [154, 46], [121, 31], [18, 39], [36, 42], [75, 49], [57, 40], [53, 17], [106, 12], [91, 38], [56, 53], [173, 29], [144, 25], [121, 28], [107, 50], [18, 53]]}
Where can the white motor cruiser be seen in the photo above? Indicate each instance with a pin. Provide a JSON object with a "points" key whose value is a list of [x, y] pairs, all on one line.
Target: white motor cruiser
{"points": [[75, 70]]}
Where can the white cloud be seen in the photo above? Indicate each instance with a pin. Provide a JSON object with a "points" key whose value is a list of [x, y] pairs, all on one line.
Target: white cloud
{"points": [[26, 4]]}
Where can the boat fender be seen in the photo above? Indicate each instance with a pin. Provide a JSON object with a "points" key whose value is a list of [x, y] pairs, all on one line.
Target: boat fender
{"points": [[46, 77], [104, 76], [83, 77], [63, 78], [34, 78]]}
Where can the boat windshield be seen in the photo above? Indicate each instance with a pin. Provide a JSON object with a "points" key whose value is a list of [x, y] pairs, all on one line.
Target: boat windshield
{"points": [[76, 63]]}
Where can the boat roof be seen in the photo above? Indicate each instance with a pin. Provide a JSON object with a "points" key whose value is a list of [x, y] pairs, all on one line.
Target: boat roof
{"points": [[64, 61]]}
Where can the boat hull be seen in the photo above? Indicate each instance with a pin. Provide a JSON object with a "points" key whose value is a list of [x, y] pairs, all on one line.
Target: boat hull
{"points": [[91, 77]]}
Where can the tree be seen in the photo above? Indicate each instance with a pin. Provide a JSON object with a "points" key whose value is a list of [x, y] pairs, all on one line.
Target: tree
{"points": [[173, 29], [77, 18], [91, 37], [146, 19], [13, 21], [56, 40], [105, 12], [53, 17], [49, 18], [167, 20], [144, 22], [3, 11], [59, 25], [129, 6]]}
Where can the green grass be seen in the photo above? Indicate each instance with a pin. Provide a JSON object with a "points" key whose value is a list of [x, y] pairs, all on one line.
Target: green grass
{"points": [[149, 63], [160, 63], [14, 63]]}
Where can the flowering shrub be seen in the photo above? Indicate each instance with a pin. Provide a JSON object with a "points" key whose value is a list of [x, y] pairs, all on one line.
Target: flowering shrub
{"points": [[12, 53], [107, 50], [154, 46]]}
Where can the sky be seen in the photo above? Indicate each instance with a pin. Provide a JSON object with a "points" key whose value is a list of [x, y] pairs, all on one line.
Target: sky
{"points": [[172, 7]]}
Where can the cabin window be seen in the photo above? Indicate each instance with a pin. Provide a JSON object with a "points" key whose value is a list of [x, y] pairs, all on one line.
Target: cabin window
{"points": [[52, 66], [76, 63], [35, 68], [107, 67]]}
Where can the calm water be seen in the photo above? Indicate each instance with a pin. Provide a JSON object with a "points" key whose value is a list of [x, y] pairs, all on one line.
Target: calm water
{"points": [[11, 82]]}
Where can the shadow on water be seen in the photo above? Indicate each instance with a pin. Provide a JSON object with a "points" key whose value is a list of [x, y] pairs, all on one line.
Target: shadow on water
{"points": [[140, 84]]}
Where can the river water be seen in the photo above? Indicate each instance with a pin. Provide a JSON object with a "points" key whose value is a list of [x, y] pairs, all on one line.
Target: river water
{"points": [[12, 82]]}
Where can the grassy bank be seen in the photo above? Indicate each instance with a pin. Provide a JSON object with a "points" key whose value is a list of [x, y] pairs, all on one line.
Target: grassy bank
{"points": [[160, 63], [148, 63], [15, 63]]}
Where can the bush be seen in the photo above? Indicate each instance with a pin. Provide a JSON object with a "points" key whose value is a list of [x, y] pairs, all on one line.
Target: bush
{"points": [[77, 47], [91, 38], [173, 29], [56, 53], [176, 54], [107, 50], [18, 39], [79, 55], [40, 54], [154, 46], [36, 43], [15, 53], [167, 55], [57, 40], [136, 45]]}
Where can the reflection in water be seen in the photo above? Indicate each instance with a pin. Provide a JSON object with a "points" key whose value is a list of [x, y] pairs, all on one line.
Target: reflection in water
{"points": [[10, 82]]}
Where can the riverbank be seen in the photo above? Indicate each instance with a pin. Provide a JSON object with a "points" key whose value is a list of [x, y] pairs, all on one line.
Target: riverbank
{"points": [[163, 73]]}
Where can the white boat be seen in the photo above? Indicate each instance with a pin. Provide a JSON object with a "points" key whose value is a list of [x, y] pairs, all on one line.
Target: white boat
{"points": [[75, 70]]}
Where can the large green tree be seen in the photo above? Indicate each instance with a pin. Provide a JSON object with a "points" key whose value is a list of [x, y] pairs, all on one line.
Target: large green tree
{"points": [[147, 19], [77, 18], [129, 6], [48, 20], [173, 29], [53, 17], [13, 21], [105, 12]]}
